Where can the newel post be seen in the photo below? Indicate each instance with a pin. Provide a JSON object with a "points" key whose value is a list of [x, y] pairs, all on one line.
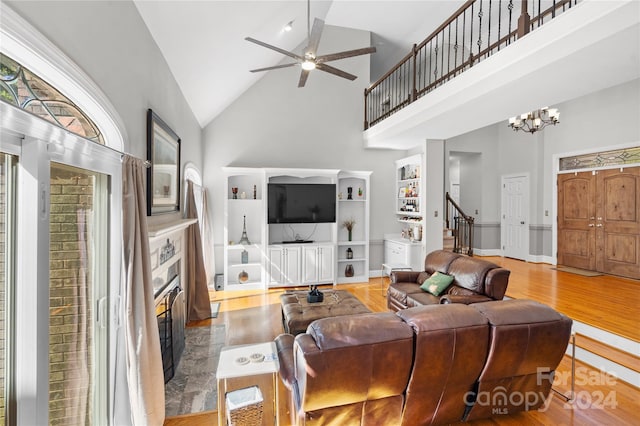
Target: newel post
{"points": [[366, 122], [524, 21], [414, 91]]}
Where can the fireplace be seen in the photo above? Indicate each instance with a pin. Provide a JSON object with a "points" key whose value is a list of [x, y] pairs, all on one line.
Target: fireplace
{"points": [[170, 313], [166, 242]]}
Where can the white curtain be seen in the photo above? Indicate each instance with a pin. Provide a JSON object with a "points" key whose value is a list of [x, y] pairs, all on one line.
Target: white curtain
{"points": [[198, 303], [139, 341], [207, 235]]}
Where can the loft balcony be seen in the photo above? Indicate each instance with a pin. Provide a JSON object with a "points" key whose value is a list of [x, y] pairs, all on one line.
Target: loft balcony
{"points": [[490, 61]]}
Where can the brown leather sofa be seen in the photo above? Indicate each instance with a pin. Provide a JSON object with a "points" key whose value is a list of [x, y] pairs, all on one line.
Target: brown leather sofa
{"points": [[427, 365], [474, 280]]}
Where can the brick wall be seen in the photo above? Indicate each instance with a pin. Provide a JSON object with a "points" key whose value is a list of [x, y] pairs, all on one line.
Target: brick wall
{"points": [[71, 310]]}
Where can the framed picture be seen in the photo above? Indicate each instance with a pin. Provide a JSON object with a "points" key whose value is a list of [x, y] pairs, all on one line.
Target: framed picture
{"points": [[402, 192], [163, 177]]}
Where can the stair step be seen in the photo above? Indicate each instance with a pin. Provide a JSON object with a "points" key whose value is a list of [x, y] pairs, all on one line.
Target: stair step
{"points": [[609, 352]]}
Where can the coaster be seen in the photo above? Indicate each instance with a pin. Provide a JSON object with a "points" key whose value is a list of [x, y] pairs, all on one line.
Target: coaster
{"points": [[242, 360], [256, 357]]}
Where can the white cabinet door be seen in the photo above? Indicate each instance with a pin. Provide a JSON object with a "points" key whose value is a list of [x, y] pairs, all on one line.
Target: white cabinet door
{"points": [[326, 264], [318, 264], [284, 266], [395, 253], [310, 265], [276, 266], [291, 266]]}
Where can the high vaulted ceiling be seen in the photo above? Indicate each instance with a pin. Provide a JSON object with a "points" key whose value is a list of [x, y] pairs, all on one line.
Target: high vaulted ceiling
{"points": [[203, 41]]}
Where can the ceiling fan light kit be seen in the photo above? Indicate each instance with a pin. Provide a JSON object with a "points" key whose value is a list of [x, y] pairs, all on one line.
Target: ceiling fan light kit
{"points": [[308, 61]]}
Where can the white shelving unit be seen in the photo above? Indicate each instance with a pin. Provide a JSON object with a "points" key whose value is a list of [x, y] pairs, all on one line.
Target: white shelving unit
{"points": [[410, 211], [237, 210], [356, 208], [267, 260]]}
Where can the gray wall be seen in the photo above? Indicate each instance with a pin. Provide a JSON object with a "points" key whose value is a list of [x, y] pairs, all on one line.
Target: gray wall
{"points": [[277, 124], [110, 42], [598, 121]]}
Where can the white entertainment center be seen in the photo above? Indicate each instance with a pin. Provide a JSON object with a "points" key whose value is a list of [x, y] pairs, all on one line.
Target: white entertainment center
{"points": [[293, 254]]}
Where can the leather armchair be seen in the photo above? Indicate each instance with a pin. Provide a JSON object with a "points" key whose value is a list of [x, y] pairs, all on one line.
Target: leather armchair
{"points": [[349, 370]]}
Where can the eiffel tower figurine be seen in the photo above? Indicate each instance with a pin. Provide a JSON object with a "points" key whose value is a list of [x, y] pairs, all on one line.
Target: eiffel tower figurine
{"points": [[244, 239]]}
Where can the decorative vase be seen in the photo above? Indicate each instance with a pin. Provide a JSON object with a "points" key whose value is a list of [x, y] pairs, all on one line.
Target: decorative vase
{"points": [[349, 253], [348, 271], [243, 277], [244, 256], [349, 234]]}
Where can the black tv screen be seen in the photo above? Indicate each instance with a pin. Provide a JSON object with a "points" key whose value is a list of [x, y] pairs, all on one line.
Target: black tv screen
{"points": [[301, 203]]}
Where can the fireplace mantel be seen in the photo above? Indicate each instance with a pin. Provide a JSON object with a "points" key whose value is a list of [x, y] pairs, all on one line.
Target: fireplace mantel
{"points": [[162, 229]]}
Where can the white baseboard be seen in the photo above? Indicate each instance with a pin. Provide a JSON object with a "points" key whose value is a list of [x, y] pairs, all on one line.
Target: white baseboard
{"points": [[487, 252], [540, 259], [376, 273]]}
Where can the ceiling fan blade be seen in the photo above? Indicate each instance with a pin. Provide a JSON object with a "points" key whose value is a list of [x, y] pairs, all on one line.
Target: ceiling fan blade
{"points": [[335, 71], [345, 54], [277, 49], [303, 78], [275, 67], [314, 38]]}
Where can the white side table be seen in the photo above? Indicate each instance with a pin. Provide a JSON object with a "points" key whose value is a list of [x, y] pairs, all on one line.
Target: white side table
{"points": [[232, 375]]}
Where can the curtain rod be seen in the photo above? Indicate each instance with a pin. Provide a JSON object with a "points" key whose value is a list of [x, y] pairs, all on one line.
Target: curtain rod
{"points": [[147, 163]]}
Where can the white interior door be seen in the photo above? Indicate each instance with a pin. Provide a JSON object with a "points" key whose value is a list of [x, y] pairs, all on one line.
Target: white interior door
{"points": [[515, 216]]}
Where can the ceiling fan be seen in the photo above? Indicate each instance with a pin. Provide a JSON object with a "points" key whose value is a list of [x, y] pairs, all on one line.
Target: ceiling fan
{"points": [[309, 60]]}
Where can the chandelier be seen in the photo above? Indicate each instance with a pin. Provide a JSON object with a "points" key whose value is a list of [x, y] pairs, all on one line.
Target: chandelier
{"points": [[535, 120]]}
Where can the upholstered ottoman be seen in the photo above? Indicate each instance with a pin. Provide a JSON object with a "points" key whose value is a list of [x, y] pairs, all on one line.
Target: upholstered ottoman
{"points": [[297, 313]]}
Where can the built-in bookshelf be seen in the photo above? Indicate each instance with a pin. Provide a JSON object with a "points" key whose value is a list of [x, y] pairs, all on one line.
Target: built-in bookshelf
{"points": [[258, 255], [353, 204], [244, 229]]}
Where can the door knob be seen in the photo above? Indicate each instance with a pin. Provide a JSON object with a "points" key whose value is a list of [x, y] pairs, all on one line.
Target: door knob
{"points": [[599, 225], [599, 218], [522, 222], [591, 225]]}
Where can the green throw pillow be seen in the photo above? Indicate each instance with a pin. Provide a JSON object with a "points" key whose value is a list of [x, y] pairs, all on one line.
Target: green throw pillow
{"points": [[437, 283]]}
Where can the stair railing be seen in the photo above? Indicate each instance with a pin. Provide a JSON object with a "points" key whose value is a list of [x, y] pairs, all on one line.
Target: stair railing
{"points": [[477, 30], [463, 227]]}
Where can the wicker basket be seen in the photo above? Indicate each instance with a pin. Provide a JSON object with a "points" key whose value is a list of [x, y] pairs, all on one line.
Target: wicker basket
{"points": [[244, 407]]}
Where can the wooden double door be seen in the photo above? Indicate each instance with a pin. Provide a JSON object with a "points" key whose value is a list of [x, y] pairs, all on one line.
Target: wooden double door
{"points": [[599, 221]]}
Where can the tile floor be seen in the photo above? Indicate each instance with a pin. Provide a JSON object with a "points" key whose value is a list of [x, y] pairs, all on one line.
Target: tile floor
{"points": [[193, 388]]}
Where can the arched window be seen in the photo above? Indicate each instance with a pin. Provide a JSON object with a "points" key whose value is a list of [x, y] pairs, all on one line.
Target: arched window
{"points": [[23, 89]]}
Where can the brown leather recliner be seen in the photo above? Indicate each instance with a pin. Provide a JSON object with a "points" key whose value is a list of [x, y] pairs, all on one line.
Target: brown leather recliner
{"points": [[527, 342], [348, 370], [450, 350], [474, 280]]}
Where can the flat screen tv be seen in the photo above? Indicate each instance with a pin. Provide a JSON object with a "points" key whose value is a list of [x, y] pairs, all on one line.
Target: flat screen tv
{"points": [[301, 203]]}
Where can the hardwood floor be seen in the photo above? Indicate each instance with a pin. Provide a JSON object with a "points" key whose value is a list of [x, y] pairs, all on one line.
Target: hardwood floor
{"points": [[606, 302]]}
